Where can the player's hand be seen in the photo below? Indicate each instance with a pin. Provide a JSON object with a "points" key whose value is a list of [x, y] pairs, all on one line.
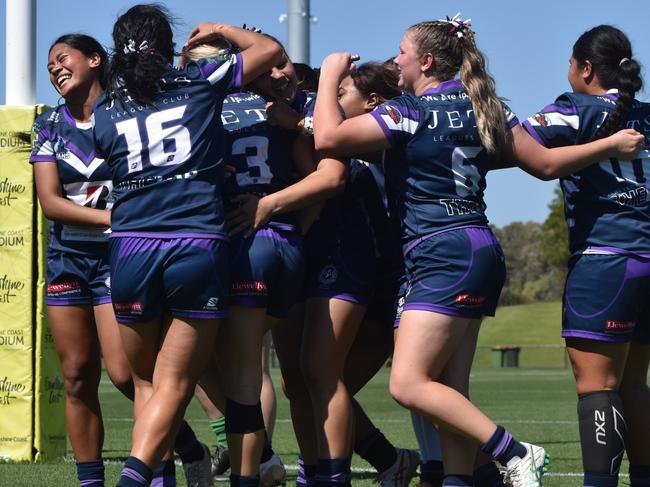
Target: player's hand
{"points": [[251, 214], [204, 32], [280, 114], [338, 63], [627, 144]]}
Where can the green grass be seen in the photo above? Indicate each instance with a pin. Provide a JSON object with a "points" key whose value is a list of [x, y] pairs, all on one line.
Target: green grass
{"points": [[537, 405]]}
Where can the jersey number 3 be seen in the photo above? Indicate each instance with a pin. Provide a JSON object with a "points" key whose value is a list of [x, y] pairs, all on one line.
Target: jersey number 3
{"points": [[169, 141]]}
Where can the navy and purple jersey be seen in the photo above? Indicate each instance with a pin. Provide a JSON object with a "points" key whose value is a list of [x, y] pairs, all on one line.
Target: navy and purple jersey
{"points": [[261, 154], [607, 205], [436, 165], [166, 157], [85, 178]]}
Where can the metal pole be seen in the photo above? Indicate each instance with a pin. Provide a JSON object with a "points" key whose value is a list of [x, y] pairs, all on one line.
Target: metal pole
{"points": [[20, 55], [298, 18]]}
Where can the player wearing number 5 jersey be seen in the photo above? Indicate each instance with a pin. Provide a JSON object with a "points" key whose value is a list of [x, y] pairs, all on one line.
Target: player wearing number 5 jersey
{"points": [[160, 132], [606, 319], [440, 136]]}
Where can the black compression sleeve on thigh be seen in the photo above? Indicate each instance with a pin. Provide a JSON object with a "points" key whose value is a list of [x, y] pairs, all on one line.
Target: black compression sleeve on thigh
{"points": [[243, 418], [602, 432]]}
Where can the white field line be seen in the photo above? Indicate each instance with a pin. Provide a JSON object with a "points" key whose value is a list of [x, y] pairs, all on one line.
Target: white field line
{"points": [[294, 468]]}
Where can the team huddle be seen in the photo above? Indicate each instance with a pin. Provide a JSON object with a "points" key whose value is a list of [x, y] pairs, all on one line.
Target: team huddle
{"points": [[199, 210]]}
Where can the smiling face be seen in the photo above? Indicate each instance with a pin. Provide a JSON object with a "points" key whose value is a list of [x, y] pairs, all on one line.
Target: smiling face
{"points": [[71, 70], [408, 62], [280, 83]]}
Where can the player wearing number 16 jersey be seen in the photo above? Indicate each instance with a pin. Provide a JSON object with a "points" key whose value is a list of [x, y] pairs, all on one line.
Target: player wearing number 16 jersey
{"points": [[160, 131], [606, 318]]}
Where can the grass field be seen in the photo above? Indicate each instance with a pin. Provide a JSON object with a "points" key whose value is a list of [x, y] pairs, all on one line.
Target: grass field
{"points": [[537, 405]]}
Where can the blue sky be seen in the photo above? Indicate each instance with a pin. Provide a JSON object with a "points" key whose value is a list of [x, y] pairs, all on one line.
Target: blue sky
{"points": [[528, 45]]}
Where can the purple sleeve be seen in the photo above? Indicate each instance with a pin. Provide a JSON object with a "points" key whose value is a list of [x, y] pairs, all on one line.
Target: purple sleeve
{"points": [[42, 146], [225, 73]]}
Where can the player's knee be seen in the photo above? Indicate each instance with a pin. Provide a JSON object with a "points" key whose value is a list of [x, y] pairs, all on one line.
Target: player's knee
{"points": [[293, 387], [80, 378], [243, 418], [401, 390], [122, 381]]}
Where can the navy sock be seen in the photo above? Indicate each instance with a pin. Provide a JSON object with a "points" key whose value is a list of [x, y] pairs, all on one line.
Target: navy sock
{"points": [[267, 451], [306, 473], [457, 481], [639, 475], [135, 474], [333, 472], [186, 446], [164, 475], [488, 475], [243, 481], [432, 473], [503, 447], [91, 474], [377, 451], [594, 480]]}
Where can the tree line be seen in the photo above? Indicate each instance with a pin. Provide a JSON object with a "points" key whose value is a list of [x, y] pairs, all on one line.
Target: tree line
{"points": [[536, 256]]}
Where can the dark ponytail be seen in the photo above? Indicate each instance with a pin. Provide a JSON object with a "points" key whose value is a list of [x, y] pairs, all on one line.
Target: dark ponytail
{"points": [[88, 46], [610, 53], [143, 49]]}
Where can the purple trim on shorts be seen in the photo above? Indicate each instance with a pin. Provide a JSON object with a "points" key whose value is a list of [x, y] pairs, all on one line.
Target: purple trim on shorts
{"points": [[133, 474], [503, 444], [387, 132], [68, 301], [452, 84], [533, 133], [136, 245], [600, 337], [396, 323], [199, 313], [157, 482], [285, 237], [410, 246], [558, 109], [217, 236], [249, 301], [350, 298], [239, 71], [128, 320], [102, 300], [443, 310]]}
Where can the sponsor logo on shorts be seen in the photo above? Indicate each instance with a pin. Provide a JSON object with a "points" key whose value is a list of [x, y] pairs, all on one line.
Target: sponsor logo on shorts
{"points": [[328, 274], [63, 287], [470, 299], [107, 282], [248, 287], [212, 303], [613, 325], [133, 307]]}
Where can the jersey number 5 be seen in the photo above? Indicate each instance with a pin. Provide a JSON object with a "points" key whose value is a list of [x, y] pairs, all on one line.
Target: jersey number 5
{"points": [[169, 142]]}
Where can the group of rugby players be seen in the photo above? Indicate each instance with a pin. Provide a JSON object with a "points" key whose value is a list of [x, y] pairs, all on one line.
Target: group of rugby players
{"points": [[202, 206]]}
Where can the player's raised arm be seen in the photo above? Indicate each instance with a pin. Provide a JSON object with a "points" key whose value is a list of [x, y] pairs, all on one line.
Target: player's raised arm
{"points": [[259, 53]]}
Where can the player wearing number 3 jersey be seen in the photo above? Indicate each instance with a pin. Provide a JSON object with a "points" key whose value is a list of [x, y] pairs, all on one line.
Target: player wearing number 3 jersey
{"points": [[159, 129], [439, 138]]}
